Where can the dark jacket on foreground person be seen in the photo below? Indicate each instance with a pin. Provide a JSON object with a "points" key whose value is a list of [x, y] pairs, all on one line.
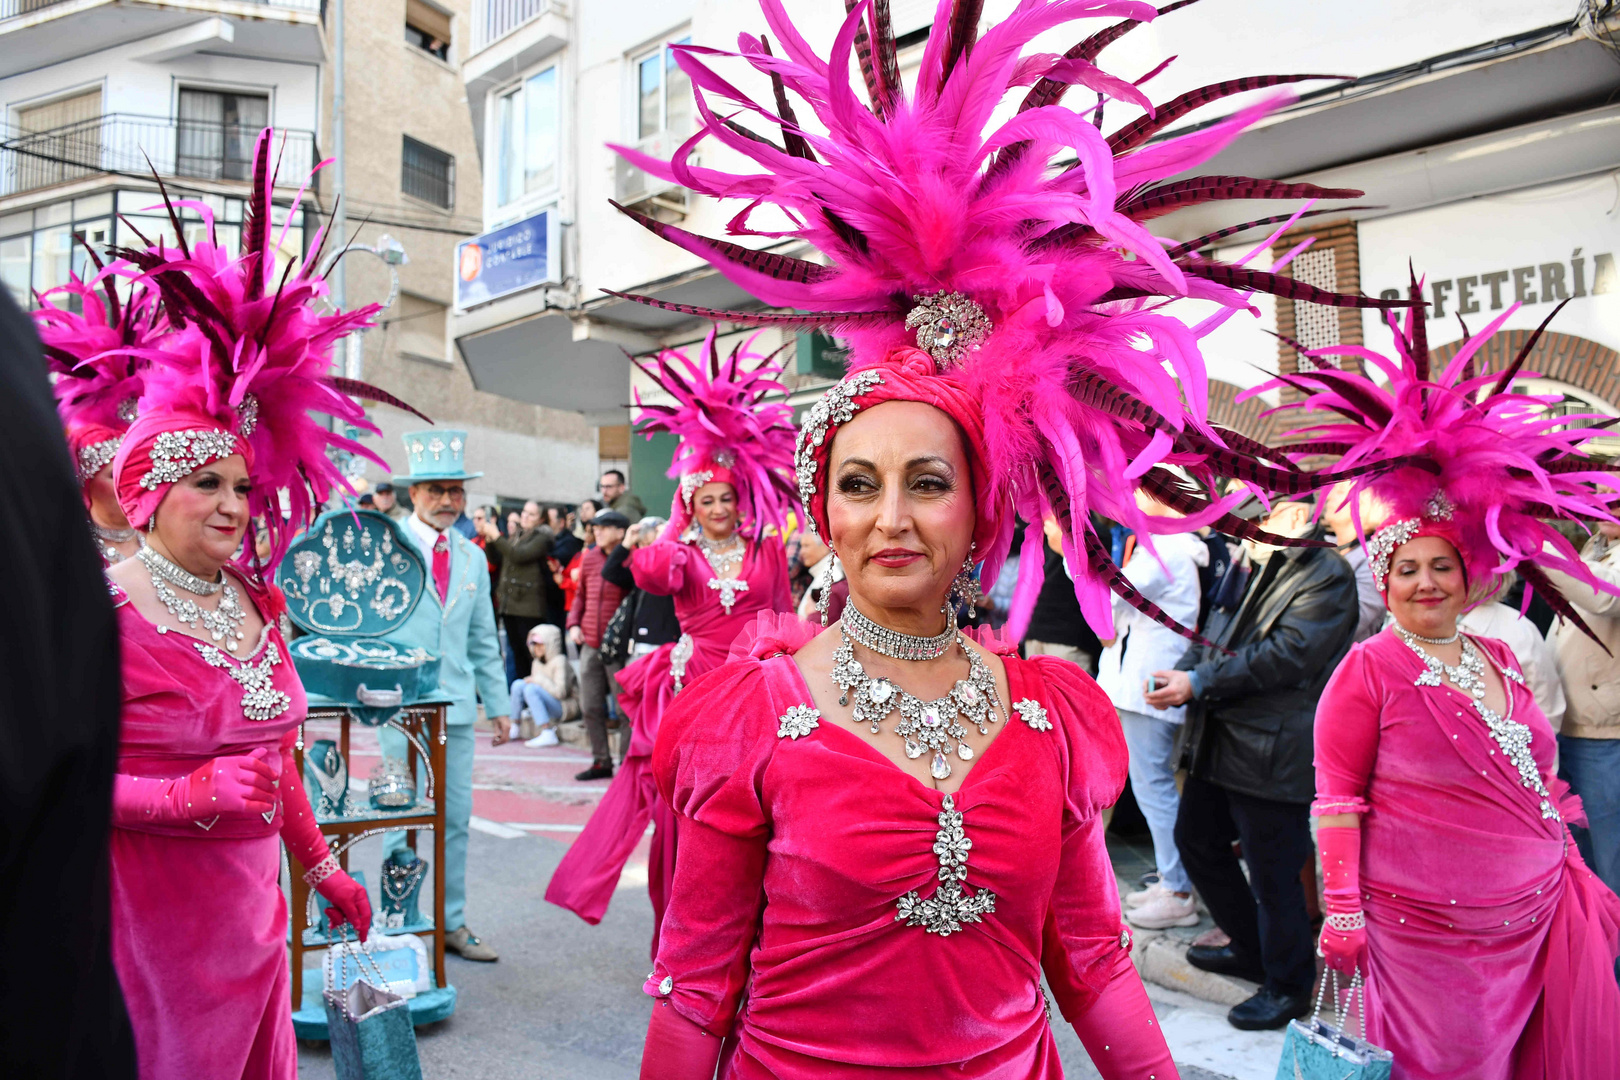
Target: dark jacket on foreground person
{"points": [[61, 1011], [1249, 727]]}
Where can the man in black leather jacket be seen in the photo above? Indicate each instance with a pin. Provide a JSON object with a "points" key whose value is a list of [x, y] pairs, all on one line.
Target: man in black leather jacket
{"points": [[1248, 756]]}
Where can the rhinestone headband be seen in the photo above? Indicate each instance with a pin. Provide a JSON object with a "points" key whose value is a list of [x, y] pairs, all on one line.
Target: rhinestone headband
{"points": [[1382, 544], [97, 456], [178, 454], [836, 406], [894, 644], [690, 482]]}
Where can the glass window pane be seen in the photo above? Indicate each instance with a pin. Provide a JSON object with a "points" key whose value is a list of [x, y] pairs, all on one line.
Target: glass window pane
{"points": [[509, 175], [650, 88], [677, 95], [540, 132], [53, 257], [12, 224], [98, 234], [16, 259]]}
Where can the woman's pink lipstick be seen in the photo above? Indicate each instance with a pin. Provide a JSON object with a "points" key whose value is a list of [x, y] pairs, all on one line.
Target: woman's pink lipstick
{"points": [[896, 557]]}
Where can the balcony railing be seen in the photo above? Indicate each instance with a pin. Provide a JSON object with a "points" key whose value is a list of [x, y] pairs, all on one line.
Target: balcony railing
{"points": [[493, 19], [137, 145], [11, 9]]}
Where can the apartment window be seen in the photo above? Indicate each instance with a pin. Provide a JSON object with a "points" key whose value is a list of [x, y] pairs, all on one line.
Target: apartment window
{"points": [[428, 173], [527, 123], [663, 93], [427, 28], [217, 132], [55, 142]]}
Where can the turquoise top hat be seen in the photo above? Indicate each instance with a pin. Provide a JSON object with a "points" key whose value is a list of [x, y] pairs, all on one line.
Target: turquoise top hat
{"points": [[439, 454]]}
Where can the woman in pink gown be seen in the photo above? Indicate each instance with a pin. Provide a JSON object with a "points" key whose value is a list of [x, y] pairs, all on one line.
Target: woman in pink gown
{"points": [[721, 571], [206, 791], [1450, 880]]}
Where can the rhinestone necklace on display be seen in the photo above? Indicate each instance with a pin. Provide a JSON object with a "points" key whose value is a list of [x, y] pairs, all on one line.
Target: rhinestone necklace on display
{"points": [[723, 555], [108, 538], [1469, 676], [224, 624], [938, 725]]}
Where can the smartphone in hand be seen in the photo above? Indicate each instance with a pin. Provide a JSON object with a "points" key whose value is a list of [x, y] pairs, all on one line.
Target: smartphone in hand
{"points": [[1152, 683]]}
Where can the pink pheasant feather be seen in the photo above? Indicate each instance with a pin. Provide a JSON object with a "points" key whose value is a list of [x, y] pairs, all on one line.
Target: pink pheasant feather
{"points": [[1502, 463], [1037, 218], [94, 352], [724, 421], [255, 353]]}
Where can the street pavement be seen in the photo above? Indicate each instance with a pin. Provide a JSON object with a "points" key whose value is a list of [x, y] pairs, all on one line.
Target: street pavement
{"points": [[565, 1000]]}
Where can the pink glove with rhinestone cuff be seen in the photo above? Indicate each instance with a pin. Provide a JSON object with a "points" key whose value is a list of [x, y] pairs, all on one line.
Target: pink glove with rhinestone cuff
{"points": [[306, 844], [1344, 930], [238, 786]]}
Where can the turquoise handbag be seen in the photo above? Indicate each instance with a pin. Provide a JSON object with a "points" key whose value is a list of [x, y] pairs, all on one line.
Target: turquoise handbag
{"points": [[370, 1031], [1317, 1050]]}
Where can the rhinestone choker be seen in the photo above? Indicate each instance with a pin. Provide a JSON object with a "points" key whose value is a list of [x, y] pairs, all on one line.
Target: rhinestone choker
{"points": [[892, 643], [1411, 637], [176, 575]]}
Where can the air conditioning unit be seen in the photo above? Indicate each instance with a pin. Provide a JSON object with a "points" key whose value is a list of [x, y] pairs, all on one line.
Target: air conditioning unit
{"points": [[651, 195]]}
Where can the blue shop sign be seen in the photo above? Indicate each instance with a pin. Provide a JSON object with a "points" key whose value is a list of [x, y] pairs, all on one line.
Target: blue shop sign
{"points": [[508, 260]]}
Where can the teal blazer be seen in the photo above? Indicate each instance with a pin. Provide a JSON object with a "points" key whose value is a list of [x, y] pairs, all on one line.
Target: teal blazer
{"points": [[461, 633]]}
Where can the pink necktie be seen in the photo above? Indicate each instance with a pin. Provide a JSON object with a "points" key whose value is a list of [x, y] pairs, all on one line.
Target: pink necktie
{"points": [[441, 567]]}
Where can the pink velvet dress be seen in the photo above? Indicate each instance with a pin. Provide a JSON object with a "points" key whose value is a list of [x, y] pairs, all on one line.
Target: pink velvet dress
{"points": [[801, 846], [199, 925], [1490, 945], [585, 879]]}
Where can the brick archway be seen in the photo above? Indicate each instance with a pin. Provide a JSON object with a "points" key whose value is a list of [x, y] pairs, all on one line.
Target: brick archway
{"points": [[1244, 417], [1577, 361]]}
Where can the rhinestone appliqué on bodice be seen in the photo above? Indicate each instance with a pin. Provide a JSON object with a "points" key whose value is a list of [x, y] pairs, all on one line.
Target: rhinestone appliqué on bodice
{"points": [[797, 722], [260, 699], [1512, 737], [949, 909]]}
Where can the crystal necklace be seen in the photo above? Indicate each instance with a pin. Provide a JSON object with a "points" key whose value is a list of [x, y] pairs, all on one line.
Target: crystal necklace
{"points": [[724, 556], [938, 725], [892, 643], [1510, 735], [223, 624], [109, 537]]}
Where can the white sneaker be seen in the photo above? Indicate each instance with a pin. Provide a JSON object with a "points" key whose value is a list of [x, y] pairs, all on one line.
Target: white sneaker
{"points": [[547, 737], [1165, 910], [1142, 896]]}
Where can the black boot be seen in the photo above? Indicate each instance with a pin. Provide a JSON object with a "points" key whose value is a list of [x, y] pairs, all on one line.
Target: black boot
{"points": [[1268, 1010], [599, 770]]}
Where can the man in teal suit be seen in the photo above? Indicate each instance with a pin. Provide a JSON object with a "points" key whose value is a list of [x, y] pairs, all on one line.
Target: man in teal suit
{"points": [[456, 623]]}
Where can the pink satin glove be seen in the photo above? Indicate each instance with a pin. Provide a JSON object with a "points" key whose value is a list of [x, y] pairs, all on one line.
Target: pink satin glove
{"points": [[676, 1048], [306, 844], [352, 904], [1121, 1032], [1344, 930], [237, 786]]}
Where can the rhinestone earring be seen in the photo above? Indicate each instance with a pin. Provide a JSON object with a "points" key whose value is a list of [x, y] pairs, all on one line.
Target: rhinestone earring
{"points": [[965, 587], [823, 600]]}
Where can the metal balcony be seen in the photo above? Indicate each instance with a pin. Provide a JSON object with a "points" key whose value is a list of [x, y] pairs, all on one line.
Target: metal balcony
{"points": [[11, 9], [129, 145], [493, 19]]}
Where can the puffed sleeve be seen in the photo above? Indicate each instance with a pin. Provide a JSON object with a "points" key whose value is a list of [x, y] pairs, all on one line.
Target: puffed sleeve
{"points": [[712, 776], [660, 567], [1346, 733], [1085, 952], [1082, 932]]}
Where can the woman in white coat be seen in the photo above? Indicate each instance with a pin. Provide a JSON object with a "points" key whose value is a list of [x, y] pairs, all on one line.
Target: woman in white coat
{"points": [[1168, 576]]}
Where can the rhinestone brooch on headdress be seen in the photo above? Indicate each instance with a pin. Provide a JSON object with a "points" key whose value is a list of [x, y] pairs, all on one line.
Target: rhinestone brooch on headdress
{"points": [[948, 325], [97, 456], [178, 454]]}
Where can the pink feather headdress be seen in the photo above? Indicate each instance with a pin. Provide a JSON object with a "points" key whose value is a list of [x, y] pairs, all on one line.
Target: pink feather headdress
{"points": [[1463, 456], [95, 356], [729, 432], [246, 362], [1016, 264]]}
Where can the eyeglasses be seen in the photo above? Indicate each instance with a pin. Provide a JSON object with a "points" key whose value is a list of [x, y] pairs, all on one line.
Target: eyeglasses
{"points": [[438, 491]]}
